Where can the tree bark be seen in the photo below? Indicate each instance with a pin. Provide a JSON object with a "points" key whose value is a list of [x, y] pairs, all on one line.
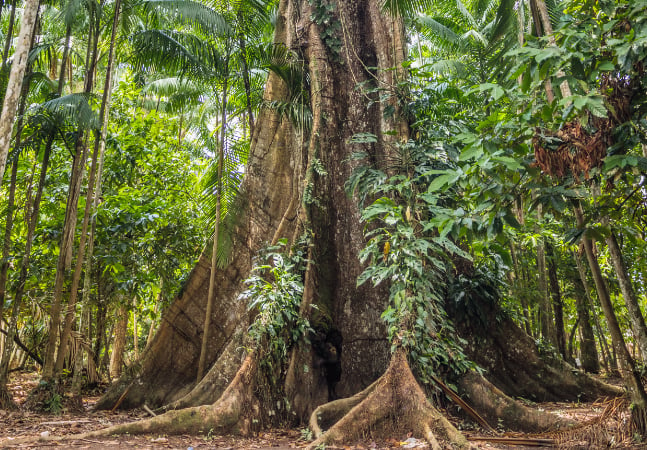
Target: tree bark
{"points": [[558, 304], [14, 85], [631, 301], [216, 233], [629, 372], [119, 345]]}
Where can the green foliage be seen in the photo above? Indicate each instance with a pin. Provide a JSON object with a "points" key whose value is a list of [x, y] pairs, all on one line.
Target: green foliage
{"points": [[415, 262], [54, 404], [323, 14], [275, 290]]}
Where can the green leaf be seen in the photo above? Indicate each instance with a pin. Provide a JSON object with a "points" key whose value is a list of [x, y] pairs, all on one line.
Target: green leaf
{"points": [[510, 163]]}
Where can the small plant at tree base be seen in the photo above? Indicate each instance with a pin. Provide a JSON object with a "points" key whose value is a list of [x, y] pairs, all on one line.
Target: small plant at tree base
{"points": [[306, 434], [54, 404], [275, 290]]}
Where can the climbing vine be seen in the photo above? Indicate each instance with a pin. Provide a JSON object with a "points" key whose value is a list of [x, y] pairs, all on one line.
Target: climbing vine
{"points": [[323, 14], [405, 252]]}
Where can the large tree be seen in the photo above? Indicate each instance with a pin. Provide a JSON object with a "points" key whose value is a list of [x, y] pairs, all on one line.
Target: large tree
{"points": [[294, 185]]}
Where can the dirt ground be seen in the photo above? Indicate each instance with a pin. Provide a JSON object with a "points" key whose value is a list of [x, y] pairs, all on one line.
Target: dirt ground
{"points": [[22, 424]]}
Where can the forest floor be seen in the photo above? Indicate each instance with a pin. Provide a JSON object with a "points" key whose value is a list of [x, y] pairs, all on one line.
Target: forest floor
{"points": [[23, 424]]}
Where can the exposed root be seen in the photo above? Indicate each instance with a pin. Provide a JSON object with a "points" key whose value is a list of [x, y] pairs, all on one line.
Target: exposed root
{"points": [[495, 406], [214, 383], [330, 413], [231, 414], [394, 403]]}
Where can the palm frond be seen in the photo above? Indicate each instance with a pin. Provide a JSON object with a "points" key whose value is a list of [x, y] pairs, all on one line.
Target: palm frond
{"points": [[192, 13], [40, 86], [447, 67], [440, 33], [406, 8], [299, 115], [176, 52], [505, 24], [71, 109], [466, 14]]}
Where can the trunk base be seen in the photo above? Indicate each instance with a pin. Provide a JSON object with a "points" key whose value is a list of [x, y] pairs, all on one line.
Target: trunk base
{"points": [[6, 400], [395, 403]]}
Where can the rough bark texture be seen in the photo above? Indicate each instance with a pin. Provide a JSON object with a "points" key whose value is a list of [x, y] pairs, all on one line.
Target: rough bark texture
{"points": [[276, 173], [117, 357]]}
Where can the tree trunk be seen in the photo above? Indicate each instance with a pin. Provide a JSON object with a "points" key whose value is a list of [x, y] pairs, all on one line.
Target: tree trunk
{"points": [[546, 319], [629, 372], [14, 85], [626, 286], [211, 296], [558, 305], [248, 90], [6, 402], [273, 191], [119, 345], [588, 352], [71, 211], [94, 181], [9, 36]]}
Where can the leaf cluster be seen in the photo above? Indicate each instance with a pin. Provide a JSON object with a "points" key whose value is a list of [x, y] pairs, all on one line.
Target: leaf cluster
{"points": [[274, 291]]}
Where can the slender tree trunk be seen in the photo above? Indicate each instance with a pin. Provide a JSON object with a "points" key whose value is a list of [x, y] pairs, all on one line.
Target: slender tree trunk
{"points": [[9, 36], [626, 286], [571, 338], [6, 243], [546, 320], [64, 258], [14, 85], [5, 355], [216, 233], [69, 226], [518, 280], [629, 373], [558, 305], [119, 345], [589, 354], [248, 89], [135, 331], [99, 148], [151, 330]]}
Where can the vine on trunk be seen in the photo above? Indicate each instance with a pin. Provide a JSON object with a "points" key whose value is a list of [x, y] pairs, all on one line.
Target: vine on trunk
{"points": [[275, 290], [403, 250]]}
